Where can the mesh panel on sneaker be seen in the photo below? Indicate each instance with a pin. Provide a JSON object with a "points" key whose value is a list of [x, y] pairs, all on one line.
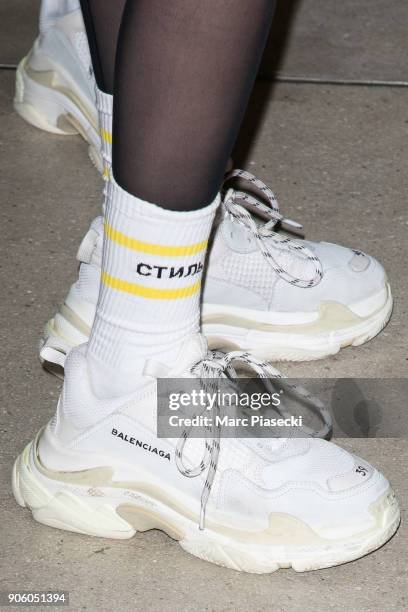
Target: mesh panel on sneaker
{"points": [[322, 461], [248, 270], [278, 449], [233, 456]]}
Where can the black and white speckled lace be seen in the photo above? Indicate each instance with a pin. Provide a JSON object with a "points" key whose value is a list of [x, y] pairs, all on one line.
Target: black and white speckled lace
{"points": [[217, 365], [234, 202]]}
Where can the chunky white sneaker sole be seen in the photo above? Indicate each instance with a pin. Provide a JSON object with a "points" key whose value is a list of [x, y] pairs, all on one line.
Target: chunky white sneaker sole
{"points": [[48, 101], [287, 339], [89, 502]]}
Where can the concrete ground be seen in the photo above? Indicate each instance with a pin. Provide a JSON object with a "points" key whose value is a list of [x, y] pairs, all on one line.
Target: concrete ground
{"points": [[336, 157]]}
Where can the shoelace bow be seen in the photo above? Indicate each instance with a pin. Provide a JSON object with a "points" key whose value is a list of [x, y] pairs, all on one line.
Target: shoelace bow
{"points": [[260, 232], [215, 365]]}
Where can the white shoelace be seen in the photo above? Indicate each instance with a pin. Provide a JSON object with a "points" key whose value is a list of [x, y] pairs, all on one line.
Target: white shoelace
{"points": [[217, 365], [260, 232]]}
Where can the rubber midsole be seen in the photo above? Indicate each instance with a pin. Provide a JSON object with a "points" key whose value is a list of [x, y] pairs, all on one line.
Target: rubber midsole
{"points": [[51, 79], [283, 529]]}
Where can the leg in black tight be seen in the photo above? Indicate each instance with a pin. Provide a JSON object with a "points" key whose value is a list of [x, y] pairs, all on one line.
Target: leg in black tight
{"points": [[183, 75], [102, 20]]}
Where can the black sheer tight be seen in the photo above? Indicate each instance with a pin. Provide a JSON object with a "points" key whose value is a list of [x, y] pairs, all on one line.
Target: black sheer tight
{"points": [[184, 72], [102, 21]]}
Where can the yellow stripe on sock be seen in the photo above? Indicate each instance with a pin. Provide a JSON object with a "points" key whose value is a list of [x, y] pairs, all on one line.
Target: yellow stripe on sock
{"points": [[107, 136], [106, 172], [150, 292], [153, 249]]}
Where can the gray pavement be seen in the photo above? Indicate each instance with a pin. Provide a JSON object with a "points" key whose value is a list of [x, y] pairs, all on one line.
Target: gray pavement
{"points": [[351, 39], [18, 27], [336, 157]]}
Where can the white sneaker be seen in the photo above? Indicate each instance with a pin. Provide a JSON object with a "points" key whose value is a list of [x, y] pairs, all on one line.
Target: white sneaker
{"points": [[263, 292], [252, 505], [55, 85], [286, 299]]}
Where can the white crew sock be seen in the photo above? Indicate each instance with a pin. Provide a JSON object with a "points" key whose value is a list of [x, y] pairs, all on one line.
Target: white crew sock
{"points": [[52, 10], [88, 271], [104, 105], [149, 298]]}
